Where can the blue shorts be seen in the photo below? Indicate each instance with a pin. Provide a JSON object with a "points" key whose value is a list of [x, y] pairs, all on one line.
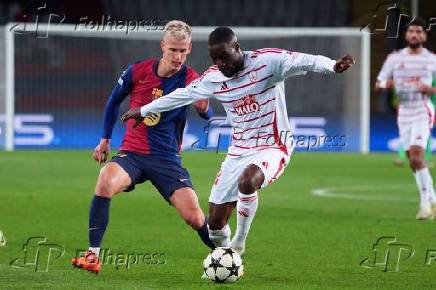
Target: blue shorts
{"points": [[165, 174]]}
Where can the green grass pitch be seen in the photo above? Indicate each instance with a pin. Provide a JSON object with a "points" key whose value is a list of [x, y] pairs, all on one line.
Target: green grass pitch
{"points": [[298, 240]]}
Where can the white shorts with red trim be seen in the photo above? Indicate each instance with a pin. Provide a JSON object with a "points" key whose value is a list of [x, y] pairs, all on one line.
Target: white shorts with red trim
{"points": [[415, 134], [272, 162], [415, 124]]}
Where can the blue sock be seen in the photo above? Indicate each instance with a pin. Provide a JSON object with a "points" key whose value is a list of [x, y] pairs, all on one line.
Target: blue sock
{"points": [[203, 232], [98, 219]]}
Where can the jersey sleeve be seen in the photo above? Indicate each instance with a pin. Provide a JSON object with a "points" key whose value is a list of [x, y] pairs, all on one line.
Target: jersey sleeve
{"points": [[386, 71], [288, 64], [200, 104], [119, 93], [196, 90]]}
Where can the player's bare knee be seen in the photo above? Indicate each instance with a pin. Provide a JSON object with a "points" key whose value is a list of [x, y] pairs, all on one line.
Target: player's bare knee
{"points": [[248, 183], [245, 185], [250, 180], [416, 159], [103, 189], [416, 162], [106, 184]]}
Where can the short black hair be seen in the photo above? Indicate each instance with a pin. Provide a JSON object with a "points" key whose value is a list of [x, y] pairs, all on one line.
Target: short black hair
{"points": [[416, 22], [220, 35]]}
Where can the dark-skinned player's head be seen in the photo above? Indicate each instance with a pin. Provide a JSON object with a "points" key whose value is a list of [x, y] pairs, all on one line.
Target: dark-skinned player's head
{"points": [[225, 51], [415, 33]]}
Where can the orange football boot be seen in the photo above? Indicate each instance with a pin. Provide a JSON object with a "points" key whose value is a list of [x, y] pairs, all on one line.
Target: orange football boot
{"points": [[89, 261]]}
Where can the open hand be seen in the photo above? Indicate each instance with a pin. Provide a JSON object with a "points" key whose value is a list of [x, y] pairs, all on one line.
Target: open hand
{"points": [[133, 114], [344, 63]]}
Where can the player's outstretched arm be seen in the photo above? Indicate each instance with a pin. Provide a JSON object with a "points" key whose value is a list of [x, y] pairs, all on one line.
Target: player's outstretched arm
{"points": [[296, 63], [178, 98], [197, 90]]}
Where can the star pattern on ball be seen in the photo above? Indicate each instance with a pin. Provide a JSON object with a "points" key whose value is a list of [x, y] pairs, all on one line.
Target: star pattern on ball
{"points": [[222, 265]]}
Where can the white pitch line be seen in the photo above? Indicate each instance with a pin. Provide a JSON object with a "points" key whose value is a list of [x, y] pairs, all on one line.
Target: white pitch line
{"points": [[333, 193]]}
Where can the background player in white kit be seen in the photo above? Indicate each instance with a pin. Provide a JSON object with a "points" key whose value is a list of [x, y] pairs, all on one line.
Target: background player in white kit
{"points": [[411, 71], [250, 85]]}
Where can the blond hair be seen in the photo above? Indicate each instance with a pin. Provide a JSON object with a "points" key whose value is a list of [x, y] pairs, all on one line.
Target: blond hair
{"points": [[178, 29]]}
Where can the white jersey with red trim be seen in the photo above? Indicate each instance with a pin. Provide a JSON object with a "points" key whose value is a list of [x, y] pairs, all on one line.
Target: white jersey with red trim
{"points": [[254, 98], [409, 72]]}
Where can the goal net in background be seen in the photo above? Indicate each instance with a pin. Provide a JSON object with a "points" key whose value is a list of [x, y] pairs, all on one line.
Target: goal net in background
{"points": [[62, 79]]}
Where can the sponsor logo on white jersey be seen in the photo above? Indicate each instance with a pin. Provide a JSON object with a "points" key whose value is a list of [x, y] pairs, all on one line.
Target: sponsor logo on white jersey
{"points": [[246, 105]]}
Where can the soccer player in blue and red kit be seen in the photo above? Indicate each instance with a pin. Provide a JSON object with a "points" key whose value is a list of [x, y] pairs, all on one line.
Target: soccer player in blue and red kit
{"points": [[149, 151]]}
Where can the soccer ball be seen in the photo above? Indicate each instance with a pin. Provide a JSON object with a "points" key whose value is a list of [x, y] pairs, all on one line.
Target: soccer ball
{"points": [[2, 239], [223, 265]]}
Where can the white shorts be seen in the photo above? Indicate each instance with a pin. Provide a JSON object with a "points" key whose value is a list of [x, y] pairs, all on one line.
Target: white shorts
{"points": [[414, 134], [415, 124], [272, 162]]}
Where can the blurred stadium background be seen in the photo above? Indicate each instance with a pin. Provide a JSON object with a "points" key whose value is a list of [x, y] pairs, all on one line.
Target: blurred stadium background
{"points": [[61, 80]]}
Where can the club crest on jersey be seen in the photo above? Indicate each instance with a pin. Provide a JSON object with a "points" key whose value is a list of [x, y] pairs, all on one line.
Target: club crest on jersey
{"points": [[156, 93], [246, 105], [252, 76], [154, 119]]}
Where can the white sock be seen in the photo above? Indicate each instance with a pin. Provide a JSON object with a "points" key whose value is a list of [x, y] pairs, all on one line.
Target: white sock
{"points": [[431, 193], [96, 251], [423, 181], [220, 238], [246, 210]]}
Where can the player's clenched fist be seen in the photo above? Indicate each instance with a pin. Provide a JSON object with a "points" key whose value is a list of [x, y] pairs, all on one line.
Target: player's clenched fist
{"points": [[427, 90], [344, 63]]}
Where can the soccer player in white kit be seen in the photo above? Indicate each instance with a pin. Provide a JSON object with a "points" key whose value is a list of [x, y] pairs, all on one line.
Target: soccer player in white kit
{"points": [[411, 71], [250, 86]]}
